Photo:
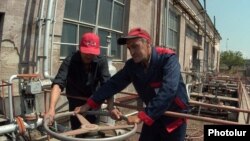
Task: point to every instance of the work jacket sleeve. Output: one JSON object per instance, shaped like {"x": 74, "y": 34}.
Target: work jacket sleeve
{"x": 62, "y": 73}
{"x": 115, "y": 84}
{"x": 167, "y": 92}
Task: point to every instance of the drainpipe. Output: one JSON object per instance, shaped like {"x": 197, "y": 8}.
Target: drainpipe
{"x": 52, "y": 38}
{"x": 40, "y": 24}
{"x": 46, "y": 39}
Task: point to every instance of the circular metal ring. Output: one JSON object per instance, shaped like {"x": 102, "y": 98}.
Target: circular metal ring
{"x": 102, "y": 113}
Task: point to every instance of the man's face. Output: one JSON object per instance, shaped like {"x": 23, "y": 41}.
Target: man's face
{"x": 139, "y": 49}
{"x": 87, "y": 58}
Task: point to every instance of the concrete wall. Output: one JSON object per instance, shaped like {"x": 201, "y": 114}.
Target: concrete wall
{"x": 17, "y": 43}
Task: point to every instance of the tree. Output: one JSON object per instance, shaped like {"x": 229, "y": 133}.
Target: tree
{"x": 231, "y": 59}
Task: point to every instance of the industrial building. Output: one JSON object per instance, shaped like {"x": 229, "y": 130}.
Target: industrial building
{"x": 37, "y": 35}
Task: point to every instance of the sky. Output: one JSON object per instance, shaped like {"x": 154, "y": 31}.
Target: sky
{"x": 232, "y": 20}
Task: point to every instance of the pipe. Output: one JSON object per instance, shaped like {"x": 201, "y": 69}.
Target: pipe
{"x": 46, "y": 39}
{"x": 188, "y": 85}
{"x": 8, "y": 128}
{"x": 10, "y": 97}
{"x": 52, "y": 38}
{"x": 39, "y": 122}
{"x": 11, "y": 103}
{"x": 40, "y": 22}
{"x": 183, "y": 115}
{"x": 219, "y": 107}
{"x": 13, "y": 126}
{"x": 206, "y": 119}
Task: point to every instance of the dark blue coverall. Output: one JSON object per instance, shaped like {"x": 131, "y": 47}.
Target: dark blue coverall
{"x": 162, "y": 89}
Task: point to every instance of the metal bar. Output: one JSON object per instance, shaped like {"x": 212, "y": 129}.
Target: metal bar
{"x": 213, "y": 96}
{"x": 182, "y": 115}
{"x": 206, "y": 119}
{"x": 219, "y": 107}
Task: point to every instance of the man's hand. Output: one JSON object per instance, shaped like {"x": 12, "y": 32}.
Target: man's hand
{"x": 50, "y": 114}
{"x": 81, "y": 109}
{"x": 134, "y": 119}
{"x": 115, "y": 114}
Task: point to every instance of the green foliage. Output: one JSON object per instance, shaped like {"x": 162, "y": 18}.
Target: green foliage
{"x": 231, "y": 59}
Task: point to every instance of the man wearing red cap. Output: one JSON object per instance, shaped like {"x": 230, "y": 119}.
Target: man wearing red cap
{"x": 155, "y": 74}
{"x": 81, "y": 74}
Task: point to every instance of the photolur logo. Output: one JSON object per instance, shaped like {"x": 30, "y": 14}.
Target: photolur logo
{"x": 215, "y": 132}
{"x": 227, "y": 132}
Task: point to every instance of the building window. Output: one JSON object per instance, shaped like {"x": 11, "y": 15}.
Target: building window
{"x": 191, "y": 34}
{"x": 206, "y": 47}
{"x": 173, "y": 30}
{"x": 104, "y": 17}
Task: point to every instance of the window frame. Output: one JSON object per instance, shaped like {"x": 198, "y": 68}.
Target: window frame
{"x": 96, "y": 27}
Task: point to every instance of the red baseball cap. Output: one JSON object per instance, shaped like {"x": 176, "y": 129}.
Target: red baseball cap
{"x": 90, "y": 44}
{"x": 134, "y": 33}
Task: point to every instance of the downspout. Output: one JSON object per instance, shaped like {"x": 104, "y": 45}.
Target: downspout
{"x": 40, "y": 24}
{"x": 52, "y": 38}
{"x": 46, "y": 39}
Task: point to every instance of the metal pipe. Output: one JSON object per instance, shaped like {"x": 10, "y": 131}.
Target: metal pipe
{"x": 34, "y": 125}
{"x": 52, "y": 38}
{"x": 40, "y": 23}
{"x": 14, "y": 127}
{"x": 8, "y": 128}
{"x": 219, "y": 107}
{"x": 46, "y": 39}
{"x": 10, "y": 97}
{"x": 182, "y": 115}
{"x": 11, "y": 114}
{"x": 206, "y": 119}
